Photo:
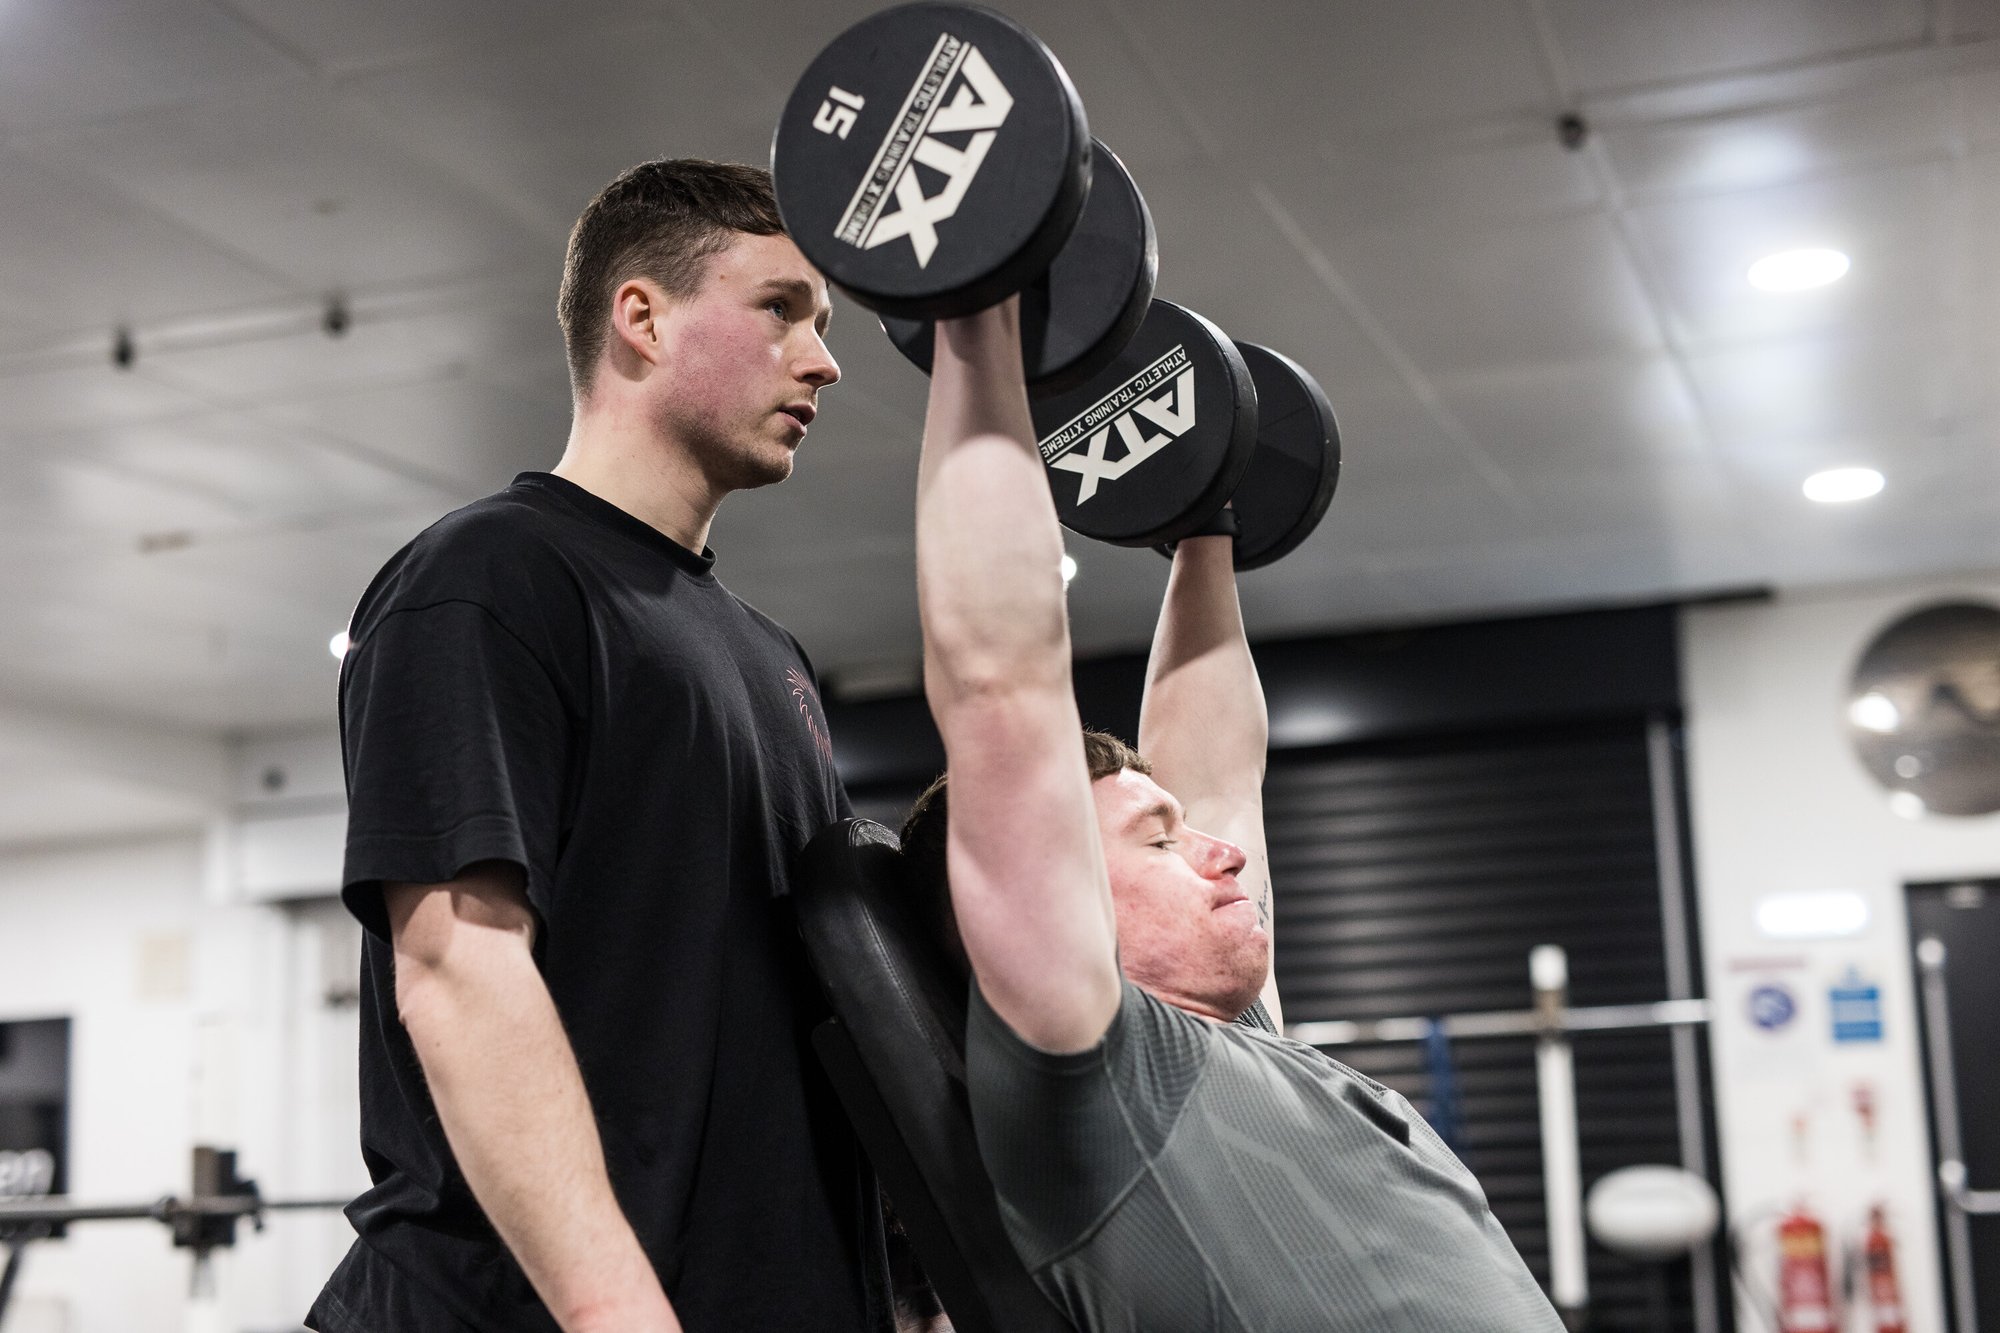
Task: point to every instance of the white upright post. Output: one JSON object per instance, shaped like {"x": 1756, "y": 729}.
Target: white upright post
{"x": 1562, "y": 1169}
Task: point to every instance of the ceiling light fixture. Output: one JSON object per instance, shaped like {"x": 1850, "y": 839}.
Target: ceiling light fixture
{"x": 339, "y": 644}
{"x": 1798, "y": 270}
{"x": 1842, "y": 485}
{"x": 1068, "y": 568}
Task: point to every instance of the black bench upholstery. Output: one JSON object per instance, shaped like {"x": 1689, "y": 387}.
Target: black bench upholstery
{"x": 895, "y": 1053}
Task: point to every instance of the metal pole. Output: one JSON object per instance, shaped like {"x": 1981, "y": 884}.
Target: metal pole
{"x": 1676, "y": 942}
{"x": 57, "y": 1209}
{"x": 1562, "y": 1169}
{"x": 1503, "y": 1023}
{"x": 1950, "y": 1146}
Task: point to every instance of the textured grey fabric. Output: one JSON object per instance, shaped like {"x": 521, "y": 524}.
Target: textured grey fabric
{"x": 1186, "y": 1176}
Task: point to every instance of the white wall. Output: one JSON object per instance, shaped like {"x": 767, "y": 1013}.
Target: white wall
{"x": 1781, "y": 804}
{"x": 199, "y": 1015}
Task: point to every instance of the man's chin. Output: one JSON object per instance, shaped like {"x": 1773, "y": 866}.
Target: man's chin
{"x": 763, "y": 466}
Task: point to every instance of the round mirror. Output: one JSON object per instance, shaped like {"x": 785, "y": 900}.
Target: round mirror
{"x": 1924, "y": 710}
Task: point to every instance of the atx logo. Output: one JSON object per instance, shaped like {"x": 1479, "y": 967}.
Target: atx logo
{"x": 957, "y": 93}
{"x": 1161, "y": 397}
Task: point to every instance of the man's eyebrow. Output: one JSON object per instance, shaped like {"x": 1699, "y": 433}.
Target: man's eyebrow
{"x": 798, "y": 289}
{"x": 1160, "y": 810}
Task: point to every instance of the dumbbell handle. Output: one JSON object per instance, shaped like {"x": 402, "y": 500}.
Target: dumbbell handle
{"x": 1221, "y": 524}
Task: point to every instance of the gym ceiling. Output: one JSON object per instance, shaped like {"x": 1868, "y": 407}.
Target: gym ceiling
{"x": 332, "y": 233}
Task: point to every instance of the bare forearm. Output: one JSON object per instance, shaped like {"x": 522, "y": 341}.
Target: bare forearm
{"x": 1203, "y": 721}
{"x": 514, "y": 1110}
{"x": 989, "y": 550}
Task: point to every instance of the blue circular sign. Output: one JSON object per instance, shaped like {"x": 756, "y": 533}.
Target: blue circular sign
{"x": 1772, "y": 1006}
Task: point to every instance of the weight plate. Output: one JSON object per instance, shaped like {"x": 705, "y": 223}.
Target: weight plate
{"x": 1289, "y": 484}
{"x": 932, "y": 160}
{"x": 1079, "y": 315}
{"x": 1158, "y": 441}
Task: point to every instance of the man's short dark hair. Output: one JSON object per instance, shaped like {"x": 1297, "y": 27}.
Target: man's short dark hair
{"x": 924, "y": 837}
{"x": 659, "y": 220}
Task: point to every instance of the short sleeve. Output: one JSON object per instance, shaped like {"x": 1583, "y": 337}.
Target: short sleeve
{"x": 457, "y": 746}
{"x": 1064, "y": 1136}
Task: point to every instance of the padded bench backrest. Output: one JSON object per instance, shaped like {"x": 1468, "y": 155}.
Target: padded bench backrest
{"x": 895, "y": 1052}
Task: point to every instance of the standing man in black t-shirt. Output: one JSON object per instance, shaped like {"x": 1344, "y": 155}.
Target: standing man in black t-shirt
{"x": 578, "y": 768}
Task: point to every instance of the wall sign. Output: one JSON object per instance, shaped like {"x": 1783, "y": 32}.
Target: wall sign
{"x": 1855, "y": 1003}
{"x": 1772, "y": 1006}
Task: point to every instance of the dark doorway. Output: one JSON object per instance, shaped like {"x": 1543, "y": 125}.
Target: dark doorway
{"x": 1963, "y": 916}
{"x": 34, "y": 1107}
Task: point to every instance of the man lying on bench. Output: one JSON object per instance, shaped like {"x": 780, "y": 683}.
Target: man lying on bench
{"x": 1164, "y": 1160}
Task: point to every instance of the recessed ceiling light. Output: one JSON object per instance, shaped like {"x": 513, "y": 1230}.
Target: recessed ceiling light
{"x": 339, "y": 644}
{"x": 1907, "y": 804}
{"x": 1797, "y": 270}
{"x": 1068, "y": 568}
{"x": 1842, "y": 484}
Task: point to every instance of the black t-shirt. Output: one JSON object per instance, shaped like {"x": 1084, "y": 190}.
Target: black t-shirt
{"x": 544, "y": 679}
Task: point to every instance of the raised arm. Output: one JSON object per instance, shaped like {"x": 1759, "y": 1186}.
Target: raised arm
{"x": 1027, "y": 873}
{"x": 1203, "y": 723}
{"x": 512, "y": 1101}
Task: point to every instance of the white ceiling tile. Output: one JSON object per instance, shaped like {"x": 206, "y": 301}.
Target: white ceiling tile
{"x": 297, "y": 184}
{"x": 36, "y": 400}
{"x": 1971, "y": 19}
{"x": 79, "y": 257}
{"x": 1938, "y": 513}
{"x": 1976, "y": 102}
{"x": 255, "y": 474}
{"x": 546, "y": 127}
{"x": 454, "y": 428}
{"x": 1892, "y": 222}
{"x": 1828, "y": 391}
{"x": 229, "y": 632}
{"x": 360, "y": 33}
{"x": 63, "y": 62}
{"x": 502, "y": 333}
{"x": 54, "y": 491}
{"x": 1321, "y": 69}
{"x": 1628, "y": 45}
{"x": 1581, "y": 413}
{"x": 1338, "y": 184}
{"x": 1223, "y": 254}
{"x": 1389, "y": 436}
{"x": 1886, "y": 125}
{"x": 1461, "y": 294}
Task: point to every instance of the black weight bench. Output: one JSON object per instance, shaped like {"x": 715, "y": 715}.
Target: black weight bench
{"x": 895, "y": 1053}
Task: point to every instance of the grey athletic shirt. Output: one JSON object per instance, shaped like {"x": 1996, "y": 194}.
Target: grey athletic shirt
{"x": 1185, "y": 1176}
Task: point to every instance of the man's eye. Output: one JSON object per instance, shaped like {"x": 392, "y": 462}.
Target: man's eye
{"x": 1164, "y": 842}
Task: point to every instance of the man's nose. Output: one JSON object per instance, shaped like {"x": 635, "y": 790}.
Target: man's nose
{"x": 1224, "y": 858}
{"x": 819, "y": 369}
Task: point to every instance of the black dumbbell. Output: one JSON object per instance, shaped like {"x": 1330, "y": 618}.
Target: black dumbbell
{"x": 1183, "y": 422}
{"x": 1294, "y": 467}
{"x": 934, "y": 160}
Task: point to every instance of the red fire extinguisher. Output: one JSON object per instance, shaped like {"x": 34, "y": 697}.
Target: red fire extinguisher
{"x": 1805, "y": 1290}
{"x": 1885, "y": 1298}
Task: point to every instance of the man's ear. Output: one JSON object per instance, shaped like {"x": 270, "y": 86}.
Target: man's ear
{"x": 637, "y": 309}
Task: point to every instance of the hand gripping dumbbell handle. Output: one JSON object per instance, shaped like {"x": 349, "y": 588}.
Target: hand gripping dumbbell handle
{"x": 1222, "y": 524}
